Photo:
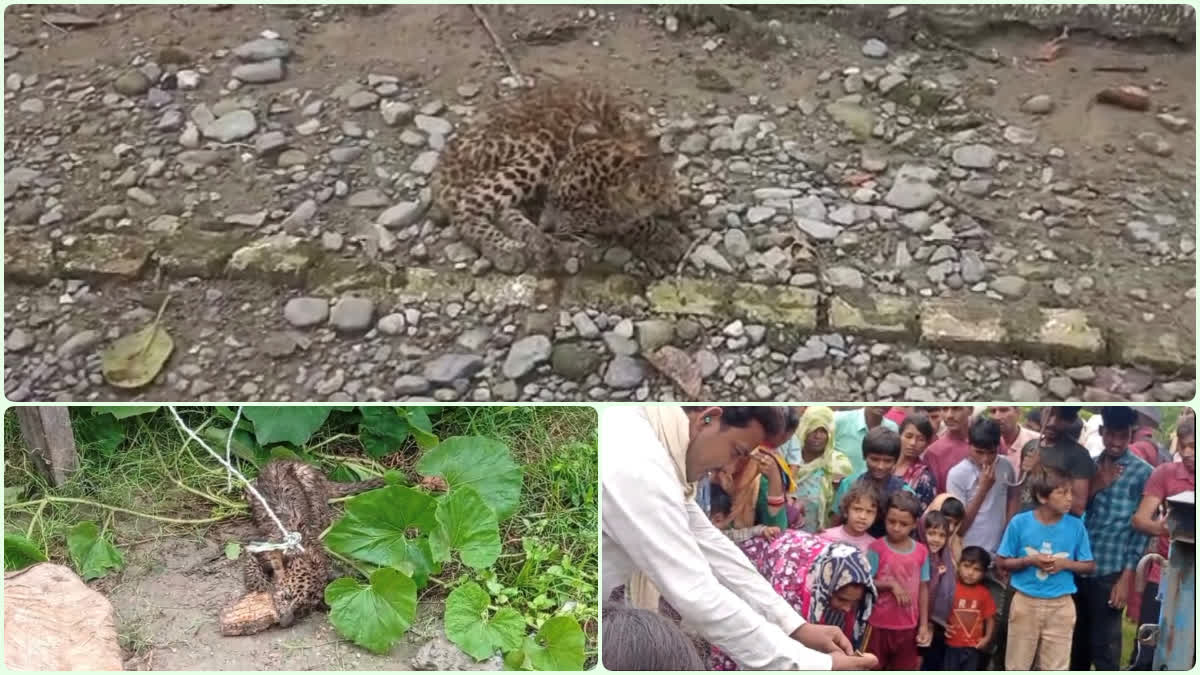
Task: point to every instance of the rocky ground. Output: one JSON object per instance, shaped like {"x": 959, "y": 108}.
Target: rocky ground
{"x": 871, "y": 220}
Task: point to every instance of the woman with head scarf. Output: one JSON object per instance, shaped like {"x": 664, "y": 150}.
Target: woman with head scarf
{"x": 827, "y": 583}
{"x": 815, "y": 466}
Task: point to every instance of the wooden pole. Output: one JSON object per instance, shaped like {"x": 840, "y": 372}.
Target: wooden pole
{"x": 49, "y": 441}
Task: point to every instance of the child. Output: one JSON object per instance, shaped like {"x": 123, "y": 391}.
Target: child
{"x": 900, "y": 620}
{"x": 953, "y": 509}
{"x": 935, "y": 530}
{"x": 881, "y": 450}
{"x": 857, "y": 513}
{"x": 720, "y": 512}
{"x": 972, "y": 613}
{"x": 981, "y": 483}
{"x": 1044, "y": 549}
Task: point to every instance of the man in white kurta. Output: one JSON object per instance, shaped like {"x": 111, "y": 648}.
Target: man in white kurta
{"x": 651, "y": 527}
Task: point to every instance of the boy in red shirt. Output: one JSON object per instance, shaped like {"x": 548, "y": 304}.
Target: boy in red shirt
{"x": 972, "y": 621}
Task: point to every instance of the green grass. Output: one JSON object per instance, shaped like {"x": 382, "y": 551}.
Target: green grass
{"x": 550, "y": 555}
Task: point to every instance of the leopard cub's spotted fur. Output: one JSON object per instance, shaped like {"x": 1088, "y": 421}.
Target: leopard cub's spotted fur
{"x": 299, "y": 495}
{"x": 567, "y": 143}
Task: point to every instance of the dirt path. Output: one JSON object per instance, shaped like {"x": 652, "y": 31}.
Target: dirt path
{"x": 169, "y": 596}
{"x": 1055, "y": 261}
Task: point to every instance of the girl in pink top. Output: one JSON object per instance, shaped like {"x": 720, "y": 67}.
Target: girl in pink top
{"x": 900, "y": 620}
{"x": 858, "y": 509}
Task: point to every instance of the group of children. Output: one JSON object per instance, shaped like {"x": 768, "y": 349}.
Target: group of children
{"x": 993, "y": 562}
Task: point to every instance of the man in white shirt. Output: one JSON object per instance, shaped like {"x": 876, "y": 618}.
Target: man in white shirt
{"x": 655, "y": 536}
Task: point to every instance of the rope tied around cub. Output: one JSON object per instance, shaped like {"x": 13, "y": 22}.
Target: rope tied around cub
{"x": 291, "y": 540}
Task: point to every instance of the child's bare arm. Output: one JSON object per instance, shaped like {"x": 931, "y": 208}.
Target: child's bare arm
{"x": 1014, "y": 564}
{"x": 923, "y": 603}
{"x": 1079, "y": 566}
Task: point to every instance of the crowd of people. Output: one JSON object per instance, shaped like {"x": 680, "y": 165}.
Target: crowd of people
{"x": 930, "y": 537}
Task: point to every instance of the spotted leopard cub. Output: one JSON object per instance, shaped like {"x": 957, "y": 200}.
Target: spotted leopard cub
{"x": 622, "y": 189}
{"x": 506, "y": 159}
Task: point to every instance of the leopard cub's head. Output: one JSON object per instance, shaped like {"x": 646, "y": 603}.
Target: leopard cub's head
{"x": 606, "y": 183}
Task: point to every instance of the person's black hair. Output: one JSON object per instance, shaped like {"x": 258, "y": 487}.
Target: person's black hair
{"x": 1044, "y": 481}
{"x": 639, "y": 639}
{"x": 860, "y": 490}
{"x": 1186, "y": 428}
{"x": 936, "y": 519}
{"x": 881, "y": 441}
{"x": 922, "y": 424}
{"x": 1067, "y": 413}
{"x": 1034, "y": 416}
{"x": 770, "y": 417}
{"x": 953, "y": 508}
{"x": 719, "y": 501}
{"x": 1074, "y": 429}
{"x": 984, "y": 434}
{"x": 977, "y": 555}
{"x": 1118, "y": 417}
{"x": 791, "y": 421}
{"x": 904, "y": 501}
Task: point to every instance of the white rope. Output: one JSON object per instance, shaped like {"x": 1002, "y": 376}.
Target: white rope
{"x": 229, "y": 449}
{"x": 290, "y": 539}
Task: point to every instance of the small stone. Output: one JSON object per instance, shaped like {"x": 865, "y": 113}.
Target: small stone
{"x": 975, "y": 156}
{"x": 79, "y": 342}
{"x": 262, "y": 72}
{"x": 874, "y": 49}
{"x": 910, "y": 194}
{"x": 1176, "y": 124}
{"x": 305, "y": 312}
{"x": 371, "y": 198}
{"x": 1039, "y": 104}
{"x": 736, "y": 243}
{"x": 1020, "y": 391}
{"x": 362, "y": 99}
{"x": 392, "y": 324}
{"x": 434, "y": 126}
{"x": 450, "y": 367}
{"x": 425, "y": 163}
{"x": 132, "y": 83}
{"x": 1060, "y": 386}
{"x": 844, "y": 277}
{"x": 525, "y": 355}
{"x": 1018, "y": 136}
{"x": 18, "y": 341}
{"x": 624, "y": 372}
{"x": 400, "y": 215}
{"x": 395, "y": 112}
{"x": 262, "y": 50}
{"x": 232, "y": 126}
{"x": 411, "y": 385}
{"x": 1010, "y": 286}
{"x": 1154, "y": 144}
{"x": 1032, "y": 371}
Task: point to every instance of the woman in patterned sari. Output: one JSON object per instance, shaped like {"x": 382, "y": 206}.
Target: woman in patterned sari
{"x": 826, "y": 582}
{"x": 815, "y": 466}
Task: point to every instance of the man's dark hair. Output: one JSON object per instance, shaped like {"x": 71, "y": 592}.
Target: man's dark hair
{"x": 1045, "y": 480}
{"x": 1066, "y": 413}
{"x": 977, "y": 555}
{"x": 1034, "y": 416}
{"x": 953, "y": 508}
{"x": 860, "y": 490}
{"x": 719, "y": 501}
{"x": 1118, "y": 417}
{"x": 1074, "y": 429}
{"x": 771, "y": 417}
{"x": 922, "y": 424}
{"x": 881, "y": 441}
{"x": 639, "y": 639}
{"x": 904, "y": 501}
{"x": 984, "y": 434}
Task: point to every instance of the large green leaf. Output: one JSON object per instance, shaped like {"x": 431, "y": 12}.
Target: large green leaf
{"x": 373, "y": 615}
{"x": 103, "y": 433}
{"x": 557, "y": 646}
{"x": 382, "y": 430}
{"x": 122, "y": 411}
{"x": 291, "y": 424}
{"x": 93, "y": 554}
{"x": 466, "y": 524}
{"x": 468, "y": 625}
{"x": 20, "y": 553}
{"x": 377, "y": 525}
{"x": 243, "y": 444}
{"x": 421, "y": 426}
{"x": 481, "y": 463}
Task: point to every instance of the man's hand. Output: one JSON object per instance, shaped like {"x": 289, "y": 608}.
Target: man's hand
{"x": 825, "y": 639}
{"x": 1120, "y": 591}
{"x": 1106, "y": 476}
{"x": 864, "y": 662}
{"x": 987, "y": 477}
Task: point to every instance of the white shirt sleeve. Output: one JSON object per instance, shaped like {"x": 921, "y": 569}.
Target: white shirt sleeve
{"x": 702, "y": 574}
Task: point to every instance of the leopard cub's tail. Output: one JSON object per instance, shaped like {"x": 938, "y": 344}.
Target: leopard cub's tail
{"x": 337, "y": 489}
